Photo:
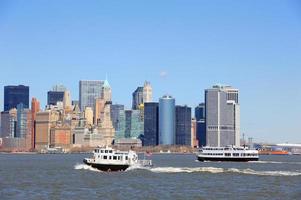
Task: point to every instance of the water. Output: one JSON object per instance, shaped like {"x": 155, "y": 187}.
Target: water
{"x": 63, "y": 176}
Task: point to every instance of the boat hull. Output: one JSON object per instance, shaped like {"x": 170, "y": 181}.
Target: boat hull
{"x": 106, "y": 167}
{"x": 224, "y": 159}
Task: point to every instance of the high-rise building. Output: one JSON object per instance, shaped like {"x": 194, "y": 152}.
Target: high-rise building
{"x": 8, "y": 123}
{"x": 54, "y": 96}
{"x": 167, "y": 120}
{"x": 59, "y": 88}
{"x": 67, "y": 100}
{"x": 200, "y": 117}
{"x": 120, "y": 124}
{"x": 137, "y": 98}
{"x": 23, "y": 121}
{"x": 183, "y": 125}
{"x": 99, "y": 110}
{"x": 151, "y": 124}
{"x": 147, "y": 92}
{"x": 222, "y": 116}
{"x": 35, "y": 108}
{"x": 133, "y": 124}
{"x": 14, "y": 95}
{"x": 194, "y": 140}
{"x": 89, "y": 116}
{"x": 115, "y": 114}
{"x": 88, "y": 92}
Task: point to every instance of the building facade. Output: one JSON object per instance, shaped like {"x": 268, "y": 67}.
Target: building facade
{"x": 167, "y": 120}
{"x": 137, "y": 98}
{"x": 54, "y": 96}
{"x": 14, "y": 95}
{"x": 151, "y": 124}
{"x": 88, "y": 92}
{"x": 183, "y": 125}
{"x": 200, "y": 116}
{"x": 147, "y": 92}
{"x": 222, "y": 116}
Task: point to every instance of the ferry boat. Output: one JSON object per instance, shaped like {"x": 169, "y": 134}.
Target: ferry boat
{"x": 109, "y": 159}
{"x": 228, "y": 153}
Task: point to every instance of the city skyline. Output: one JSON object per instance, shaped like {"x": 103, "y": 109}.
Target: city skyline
{"x": 182, "y": 50}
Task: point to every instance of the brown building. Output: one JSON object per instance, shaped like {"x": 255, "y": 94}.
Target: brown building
{"x": 60, "y": 137}
{"x": 194, "y": 141}
{"x": 35, "y": 108}
{"x": 99, "y": 109}
{"x": 44, "y": 122}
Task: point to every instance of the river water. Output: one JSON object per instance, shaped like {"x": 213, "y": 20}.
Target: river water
{"x": 63, "y": 176}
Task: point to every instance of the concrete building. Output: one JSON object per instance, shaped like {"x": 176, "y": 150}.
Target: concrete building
{"x": 23, "y": 122}
{"x": 14, "y": 95}
{"x": 183, "y": 125}
{"x": 9, "y": 123}
{"x": 194, "y": 140}
{"x": 147, "y": 92}
{"x": 151, "y": 124}
{"x": 167, "y": 120}
{"x": 200, "y": 116}
{"x": 88, "y": 92}
{"x": 99, "y": 110}
{"x": 222, "y": 116}
{"x": 67, "y": 101}
{"x": 60, "y": 137}
{"x": 137, "y": 98}
{"x": 89, "y": 116}
{"x": 35, "y": 108}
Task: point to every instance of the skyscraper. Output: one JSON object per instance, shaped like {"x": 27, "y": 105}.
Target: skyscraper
{"x": 147, "y": 92}
{"x": 54, "y": 96}
{"x": 133, "y": 124}
{"x": 137, "y": 98}
{"x": 151, "y": 124}
{"x": 35, "y": 108}
{"x": 167, "y": 120}
{"x": 200, "y": 117}
{"x": 115, "y": 113}
{"x": 183, "y": 125}
{"x": 14, "y": 95}
{"x": 222, "y": 116}
{"x": 88, "y": 92}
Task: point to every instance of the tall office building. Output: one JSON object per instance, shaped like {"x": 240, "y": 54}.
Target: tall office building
{"x": 54, "y": 96}
{"x": 151, "y": 124}
{"x": 147, "y": 92}
{"x": 133, "y": 124}
{"x": 23, "y": 121}
{"x": 200, "y": 117}
{"x": 222, "y": 116}
{"x": 183, "y": 125}
{"x": 137, "y": 98}
{"x": 89, "y": 115}
{"x": 167, "y": 120}
{"x": 115, "y": 114}
{"x": 99, "y": 110}
{"x": 14, "y": 95}
{"x": 35, "y": 108}
{"x": 59, "y": 88}
{"x": 67, "y": 100}
{"x": 88, "y": 92}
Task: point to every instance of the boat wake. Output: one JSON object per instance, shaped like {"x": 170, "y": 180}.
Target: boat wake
{"x": 275, "y": 162}
{"x": 85, "y": 167}
{"x": 215, "y": 170}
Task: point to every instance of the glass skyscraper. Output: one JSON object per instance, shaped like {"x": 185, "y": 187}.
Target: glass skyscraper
{"x": 137, "y": 98}
{"x": 54, "y": 96}
{"x": 151, "y": 124}
{"x": 183, "y": 125}
{"x": 14, "y": 95}
{"x": 200, "y": 117}
{"x": 88, "y": 92}
{"x": 167, "y": 120}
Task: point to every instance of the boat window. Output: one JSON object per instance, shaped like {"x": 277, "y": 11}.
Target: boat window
{"x": 235, "y": 154}
{"x": 126, "y": 157}
{"x": 105, "y": 157}
{"x": 119, "y": 157}
{"x": 110, "y": 151}
{"x": 101, "y": 151}
{"x": 106, "y": 151}
{"x": 114, "y": 157}
{"x": 227, "y": 154}
{"x": 110, "y": 157}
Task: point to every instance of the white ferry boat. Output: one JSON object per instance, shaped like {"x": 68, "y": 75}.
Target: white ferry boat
{"x": 228, "y": 153}
{"x": 109, "y": 159}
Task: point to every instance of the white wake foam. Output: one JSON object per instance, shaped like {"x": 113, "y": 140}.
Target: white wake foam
{"x": 275, "y": 162}
{"x": 85, "y": 167}
{"x": 215, "y": 170}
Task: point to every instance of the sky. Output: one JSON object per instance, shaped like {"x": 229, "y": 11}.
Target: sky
{"x": 181, "y": 46}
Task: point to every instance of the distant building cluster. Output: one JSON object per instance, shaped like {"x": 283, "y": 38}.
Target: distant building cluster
{"x": 93, "y": 120}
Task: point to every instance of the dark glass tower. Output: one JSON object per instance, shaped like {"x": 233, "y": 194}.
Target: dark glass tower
{"x": 151, "y": 124}
{"x": 54, "y": 96}
{"x": 200, "y": 117}
{"x": 14, "y": 95}
{"x": 137, "y": 98}
{"x": 183, "y": 125}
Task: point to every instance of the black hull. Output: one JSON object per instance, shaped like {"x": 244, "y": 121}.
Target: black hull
{"x": 202, "y": 159}
{"x": 107, "y": 167}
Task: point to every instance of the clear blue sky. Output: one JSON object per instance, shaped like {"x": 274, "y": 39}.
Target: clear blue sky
{"x": 182, "y": 47}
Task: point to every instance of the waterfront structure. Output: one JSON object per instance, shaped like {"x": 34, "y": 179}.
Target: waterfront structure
{"x": 151, "y": 124}
{"x": 167, "y": 120}
{"x": 183, "y": 125}
{"x": 60, "y": 137}
{"x": 147, "y": 92}
{"x": 222, "y": 116}
{"x": 35, "y": 108}
{"x": 137, "y": 98}
{"x": 200, "y": 117}
{"x": 88, "y": 92}
{"x": 14, "y": 95}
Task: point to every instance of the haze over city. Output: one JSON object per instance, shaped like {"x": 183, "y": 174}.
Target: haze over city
{"x": 181, "y": 47}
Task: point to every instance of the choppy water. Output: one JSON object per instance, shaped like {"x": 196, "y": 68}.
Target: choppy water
{"x": 172, "y": 177}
